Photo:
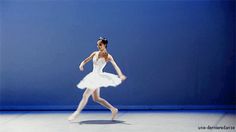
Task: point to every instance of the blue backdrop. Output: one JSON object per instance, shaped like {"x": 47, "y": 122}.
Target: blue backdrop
{"x": 176, "y": 54}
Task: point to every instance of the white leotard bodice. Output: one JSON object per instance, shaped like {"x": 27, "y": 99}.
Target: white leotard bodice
{"x": 98, "y": 63}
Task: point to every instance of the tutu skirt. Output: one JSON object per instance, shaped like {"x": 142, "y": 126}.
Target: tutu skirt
{"x": 95, "y": 80}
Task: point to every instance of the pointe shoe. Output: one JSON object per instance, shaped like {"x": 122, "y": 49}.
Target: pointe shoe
{"x": 114, "y": 113}
{"x": 73, "y": 116}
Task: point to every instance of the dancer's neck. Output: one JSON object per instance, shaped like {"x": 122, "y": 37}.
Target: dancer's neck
{"x": 103, "y": 51}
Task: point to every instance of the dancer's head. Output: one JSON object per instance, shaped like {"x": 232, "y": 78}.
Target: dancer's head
{"x": 102, "y": 43}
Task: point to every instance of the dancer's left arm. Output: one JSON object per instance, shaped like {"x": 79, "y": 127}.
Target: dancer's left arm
{"x": 121, "y": 75}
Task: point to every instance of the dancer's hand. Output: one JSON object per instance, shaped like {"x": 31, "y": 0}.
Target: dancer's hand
{"x": 122, "y": 77}
{"x": 81, "y": 67}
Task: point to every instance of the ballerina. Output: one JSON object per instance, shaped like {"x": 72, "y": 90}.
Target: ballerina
{"x": 97, "y": 78}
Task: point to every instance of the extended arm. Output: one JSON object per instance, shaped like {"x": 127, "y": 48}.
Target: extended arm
{"x": 86, "y": 60}
{"x": 116, "y": 67}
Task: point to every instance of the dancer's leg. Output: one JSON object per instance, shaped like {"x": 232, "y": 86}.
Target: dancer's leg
{"x": 84, "y": 100}
{"x": 82, "y": 103}
{"x": 98, "y": 99}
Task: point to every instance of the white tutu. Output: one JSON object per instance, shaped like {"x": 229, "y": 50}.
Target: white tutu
{"x": 97, "y": 78}
{"x": 94, "y": 80}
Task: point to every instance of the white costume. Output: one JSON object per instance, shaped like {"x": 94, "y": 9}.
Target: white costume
{"x": 97, "y": 78}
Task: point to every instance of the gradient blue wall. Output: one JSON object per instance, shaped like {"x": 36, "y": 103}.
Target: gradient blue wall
{"x": 176, "y": 54}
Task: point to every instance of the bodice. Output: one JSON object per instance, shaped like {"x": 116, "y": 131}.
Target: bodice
{"x": 98, "y": 64}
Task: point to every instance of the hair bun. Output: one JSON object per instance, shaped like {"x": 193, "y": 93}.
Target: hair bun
{"x": 103, "y": 40}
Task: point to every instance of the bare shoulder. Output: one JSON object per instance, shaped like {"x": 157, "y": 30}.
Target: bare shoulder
{"x": 92, "y": 54}
{"x": 95, "y": 52}
{"x": 110, "y": 57}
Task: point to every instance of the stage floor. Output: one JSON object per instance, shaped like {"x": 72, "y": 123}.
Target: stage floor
{"x": 126, "y": 121}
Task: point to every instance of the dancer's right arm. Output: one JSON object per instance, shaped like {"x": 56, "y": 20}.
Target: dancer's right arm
{"x": 86, "y": 61}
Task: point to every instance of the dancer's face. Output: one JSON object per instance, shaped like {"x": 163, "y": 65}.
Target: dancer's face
{"x": 100, "y": 45}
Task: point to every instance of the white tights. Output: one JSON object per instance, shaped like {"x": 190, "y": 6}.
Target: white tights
{"x": 96, "y": 98}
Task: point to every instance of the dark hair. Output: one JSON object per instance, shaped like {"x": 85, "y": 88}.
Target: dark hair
{"x": 104, "y": 41}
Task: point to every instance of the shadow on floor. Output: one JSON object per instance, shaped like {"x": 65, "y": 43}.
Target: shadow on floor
{"x": 101, "y": 122}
